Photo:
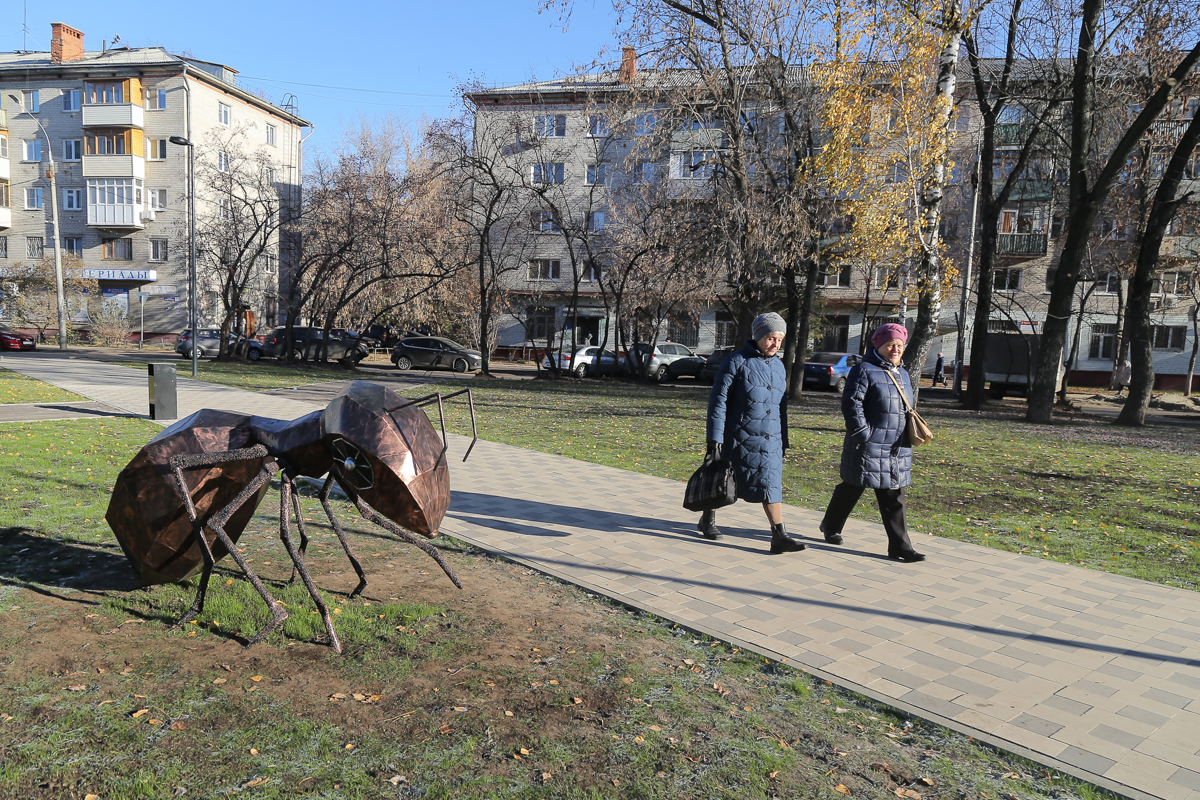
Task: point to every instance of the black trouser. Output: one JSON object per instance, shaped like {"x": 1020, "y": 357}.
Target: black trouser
{"x": 891, "y": 509}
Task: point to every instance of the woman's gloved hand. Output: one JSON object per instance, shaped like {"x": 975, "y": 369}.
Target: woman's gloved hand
{"x": 714, "y": 449}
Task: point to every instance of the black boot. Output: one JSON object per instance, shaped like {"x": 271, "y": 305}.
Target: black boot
{"x": 708, "y": 526}
{"x": 781, "y": 542}
{"x": 832, "y": 538}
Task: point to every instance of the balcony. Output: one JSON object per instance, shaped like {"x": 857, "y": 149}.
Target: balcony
{"x": 3, "y": 120}
{"x": 114, "y": 166}
{"x": 1028, "y": 189}
{"x": 4, "y": 169}
{"x": 112, "y": 115}
{"x": 5, "y": 218}
{"x": 1029, "y": 245}
{"x": 115, "y": 215}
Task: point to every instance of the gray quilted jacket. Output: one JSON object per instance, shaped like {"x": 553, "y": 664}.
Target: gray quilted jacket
{"x": 876, "y": 453}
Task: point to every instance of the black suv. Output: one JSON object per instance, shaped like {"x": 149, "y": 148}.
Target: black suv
{"x": 307, "y": 345}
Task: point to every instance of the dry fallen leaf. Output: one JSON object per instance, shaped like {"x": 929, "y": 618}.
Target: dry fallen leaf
{"x": 253, "y": 751}
{"x": 639, "y": 739}
{"x": 256, "y": 678}
{"x": 350, "y": 746}
{"x": 397, "y": 779}
{"x": 545, "y": 777}
{"x": 77, "y": 687}
{"x": 140, "y": 713}
{"x": 626, "y": 680}
{"x": 255, "y": 782}
{"x": 445, "y": 729}
{"x": 577, "y": 700}
{"x": 177, "y": 726}
{"x": 508, "y": 713}
{"x": 908, "y": 793}
{"x": 91, "y": 797}
{"x": 155, "y": 721}
{"x": 524, "y": 752}
{"x": 554, "y": 683}
{"x": 773, "y": 774}
{"x": 655, "y": 728}
{"x": 841, "y": 788}
{"x": 927, "y": 781}
{"x": 219, "y": 681}
{"x": 460, "y": 708}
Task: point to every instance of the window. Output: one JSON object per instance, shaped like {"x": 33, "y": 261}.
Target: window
{"x": 70, "y": 99}
{"x": 540, "y": 322}
{"x": 35, "y": 247}
{"x": 597, "y": 125}
{"x": 30, "y": 99}
{"x": 826, "y": 277}
{"x": 1104, "y": 338}
{"x": 1003, "y": 326}
{"x": 3, "y": 146}
{"x": 156, "y": 149}
{"x": 103, "y": 92}
{"x": 158, "y": 249}
{"x": 222, "y": 161}
{"x": 591, "y": 272}
{"x": 73, "y": 246}
{"x": 596, "y": 221}
{"x": 271, "y": 135}
{"x": 158, "y": 199}
{"x": 271, "y": 264}
{"x": 116, "y": 249}
{"x": 544, "y": 269}
{"x": 886, "y": 278}
{"x": 4, "y": 196}
{"x": 72, "y": 199}
{"x": 550, "y": 125}
{"x": 726, "y": 330}
{"x": 223, "y": 210}
{"x": 156, "y": 99}
{"x": 106, "y": 142}
{"x": 693, "y": 164}
{"x": 1167, "y": 337}
{"x": 836, "y": 333}
{"x": 644, "y": 124}
{"x": 72, "y": 149}
{"x": 596, "y": 173}
{"x": 113, "y": 201}
{"x": 685, "y": 332}
{"x": 1109, "y": 283}
{"x": 31, "y": 150}
{"x": 3, "y": 247}
{"x": 222, "y": 113}
{"x": 643, "y": 173}
{"x": 1006, "y": 280}
{"x": 545, "y": 222}
{"x": 33, "y": 198}
{"x": 271, "y": 175}
{"x": 548, "y": 173}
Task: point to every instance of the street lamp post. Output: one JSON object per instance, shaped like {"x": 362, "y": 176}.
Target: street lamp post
{"x": 58, "y": 275}
{"x": 192, "y": 306}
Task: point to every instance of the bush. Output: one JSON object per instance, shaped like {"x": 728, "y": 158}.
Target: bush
{"x": 110, "y": 328}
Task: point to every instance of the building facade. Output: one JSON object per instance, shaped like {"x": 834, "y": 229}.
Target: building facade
{"x": 104, "y": 119}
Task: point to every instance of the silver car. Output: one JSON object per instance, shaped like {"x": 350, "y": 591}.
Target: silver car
{"x": 668, "y": 360}
{"x": 589, "y": 361}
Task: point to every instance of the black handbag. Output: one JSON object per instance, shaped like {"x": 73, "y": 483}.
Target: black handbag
{"x": 712, "y": 486}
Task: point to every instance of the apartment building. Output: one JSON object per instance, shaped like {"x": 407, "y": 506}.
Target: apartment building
{"x": 104, "y": 119}
{"x": 561, "y": 129}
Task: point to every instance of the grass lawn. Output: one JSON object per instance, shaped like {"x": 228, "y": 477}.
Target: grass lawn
{"x": 17, "y": 388}
{"x": 518, "y": 686}
{"x": 266, "y": 373}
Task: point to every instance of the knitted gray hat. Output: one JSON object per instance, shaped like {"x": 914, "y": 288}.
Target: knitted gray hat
{"x": 768, "y": 323}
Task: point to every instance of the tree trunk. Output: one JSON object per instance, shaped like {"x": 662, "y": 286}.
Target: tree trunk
{"x": 804, "y": 327}
{"x": 1187, "y": 387}
{"x": 793, "y": 372}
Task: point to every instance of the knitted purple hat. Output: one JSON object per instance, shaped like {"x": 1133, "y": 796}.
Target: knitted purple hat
{"x": 885, "y": 333}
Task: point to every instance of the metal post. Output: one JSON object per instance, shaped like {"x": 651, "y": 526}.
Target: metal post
{"x": 960, "y": 350}
{"x": 193, "y": 314}
{"x": 58, "y": 278}
{"x": 142, "y": 325}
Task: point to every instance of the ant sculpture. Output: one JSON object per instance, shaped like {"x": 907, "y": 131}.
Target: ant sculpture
{"x": 212, "y": 469}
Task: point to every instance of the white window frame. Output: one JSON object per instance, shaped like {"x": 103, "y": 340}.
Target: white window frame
{"x": 597, "y": 174}
{"x": 271, "y": 175}
{"x": 72, "y": 150}
{"x": 597, "y": 126}
{"x": 270, "y": 264}
{"x": 1008, "y": 273}
{"x": 31, "y": 146}
{"x": 545, "y": 269}
{"x": 222, "y": 161}
{"x": 32, "y": 100}
{"x": 69, "y": 247}
{"x": 224, "y": 114}
{"x": 224, "y": 209}
{"x": 644, "y": 173}
{"x": 271, "y": 135}
{"x": 152, "y": 199}
{"x": 34, "y": 200}
{"x": 645, "y": 123}
{"x": 156, "y": 99}
{"x": 545, "y": 222}
{"x": 75, "y": 195}
{"x": 556, "y": 172}
{"x": 3, "y": 145}
{"x": 156, "y": 149}
{"x": 71, "y": 99}
{"x": 158, "y": 249}
{"x": 550, "y": 126}
{"x": 596, "y": 221}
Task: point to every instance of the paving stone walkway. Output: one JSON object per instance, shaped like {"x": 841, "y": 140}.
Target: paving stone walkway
{"x": 1094, "y": 674}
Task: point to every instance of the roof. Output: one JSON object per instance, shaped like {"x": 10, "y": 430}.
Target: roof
{"x": 117, "y": 59}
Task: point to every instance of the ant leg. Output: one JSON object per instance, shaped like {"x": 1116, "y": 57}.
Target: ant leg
{"x": 299, "y": 524}
{"x": 217, "y": 523}
{"x": 389, "y": 526}
{"x": 205, "y": 551}
{"x": 286, "y": 497}
{"x": 337, "y": 529}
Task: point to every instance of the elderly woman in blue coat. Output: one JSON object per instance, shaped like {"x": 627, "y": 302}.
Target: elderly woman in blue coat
{"x": 876, "y": 453}
{"x": 747, "y": 424}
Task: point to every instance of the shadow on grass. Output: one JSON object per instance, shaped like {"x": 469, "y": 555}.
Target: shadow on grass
{"x": 42, "y": 564}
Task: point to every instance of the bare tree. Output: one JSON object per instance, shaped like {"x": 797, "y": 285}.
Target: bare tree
{"x": 29, "y": 297}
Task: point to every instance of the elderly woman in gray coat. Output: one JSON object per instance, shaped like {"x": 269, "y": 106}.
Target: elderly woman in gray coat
{"x": 747, "y": 424}
{"x": 876, "y": 453}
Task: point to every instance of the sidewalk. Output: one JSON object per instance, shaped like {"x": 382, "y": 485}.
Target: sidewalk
{"x": 1094, "y": 674}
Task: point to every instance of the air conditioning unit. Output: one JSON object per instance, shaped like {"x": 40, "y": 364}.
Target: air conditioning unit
{"x": 148, "y": 215}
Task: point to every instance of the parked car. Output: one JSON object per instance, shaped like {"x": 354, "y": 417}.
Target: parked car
{"x": 210, "y": 344}
{"x": 589, "y": 361}
{"x": 829, "y": 370}
{"x": 14, "y": 340}
{"x": 713, "y": 364}
{"x": 306, "y": 345}
{"x": 434, "y": 352}
{"x": 667, "y": 361}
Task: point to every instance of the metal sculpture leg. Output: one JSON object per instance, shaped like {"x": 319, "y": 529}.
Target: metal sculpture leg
{"x": 369, "y": 514}
{"x": 341, "y": 535}
{"x": 216, "y": 525}
{"x": 286, "y": 498}
{"x": 287, "y": 477}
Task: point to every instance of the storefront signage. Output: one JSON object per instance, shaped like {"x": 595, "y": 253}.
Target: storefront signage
{"x": 121, "y": 274}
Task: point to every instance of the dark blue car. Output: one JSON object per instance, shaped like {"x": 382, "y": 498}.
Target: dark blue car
{"x": 829, "y": 370}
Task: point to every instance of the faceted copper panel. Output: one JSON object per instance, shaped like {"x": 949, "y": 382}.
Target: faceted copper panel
{"x": 394, "y": 460}
{"x": 297, "y": 443}
{"x": 146, "y": 512}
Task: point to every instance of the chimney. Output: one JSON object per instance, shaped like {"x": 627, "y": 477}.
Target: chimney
{"x": 66, "y": 43}
{"x": 628, "y": 65}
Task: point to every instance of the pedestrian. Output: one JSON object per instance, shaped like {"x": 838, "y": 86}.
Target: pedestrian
{"x": 747, "y": 425}
{"x": 939, "y": 371}
{"x": 1125, "y": 377}
{"x": 875, "y": 452}
{"x": 587, "y": 340}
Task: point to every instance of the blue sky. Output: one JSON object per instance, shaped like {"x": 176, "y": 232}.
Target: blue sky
{"x": 408, "y": 54}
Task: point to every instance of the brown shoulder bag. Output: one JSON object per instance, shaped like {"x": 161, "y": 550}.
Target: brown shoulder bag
{"x": 918, "y": 431}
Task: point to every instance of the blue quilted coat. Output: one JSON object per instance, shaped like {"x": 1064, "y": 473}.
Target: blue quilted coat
{"x": 747, "y": 414}
{"x": 876, "y": 453}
